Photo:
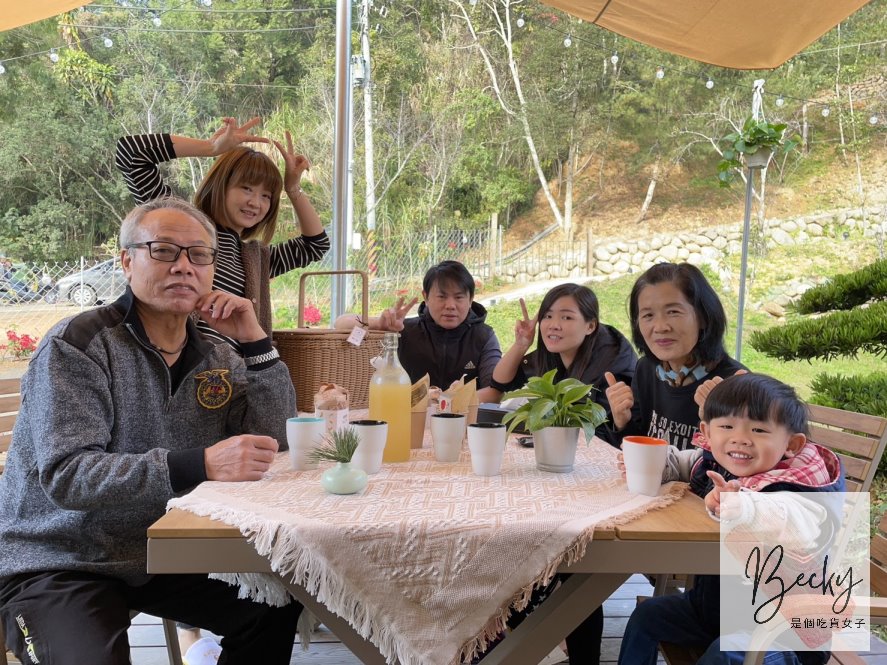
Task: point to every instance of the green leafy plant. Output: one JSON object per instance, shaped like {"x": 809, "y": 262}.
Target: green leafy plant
{"x": 550, "y": 404}
{"x": 339, "y": 446}
{"x": 865, "y": 394}
{"x": 754, "y": 136}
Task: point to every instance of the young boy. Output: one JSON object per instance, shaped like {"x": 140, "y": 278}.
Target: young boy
{"x": 753, "y": 436}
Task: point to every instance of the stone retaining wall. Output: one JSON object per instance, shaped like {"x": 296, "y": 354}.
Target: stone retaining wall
{"x": 614, "y": 257}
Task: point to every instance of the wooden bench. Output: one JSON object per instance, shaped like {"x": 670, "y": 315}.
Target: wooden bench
{"x": 10, "y": 400}
{"x": 10, "y": 403}
{"x": 858, "y": 440}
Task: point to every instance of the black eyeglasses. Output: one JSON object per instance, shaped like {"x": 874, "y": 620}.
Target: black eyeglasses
{"x": 169, "y": 252}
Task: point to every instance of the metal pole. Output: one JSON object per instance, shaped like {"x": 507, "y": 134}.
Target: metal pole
{"x": 368, "y": 117}
{"x": 340, "y": 157}
{"x": 746, "y": 224}
{"x": 372, "y": 250}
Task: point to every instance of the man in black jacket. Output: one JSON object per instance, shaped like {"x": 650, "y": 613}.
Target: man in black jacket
{"x": 449, "y": 338}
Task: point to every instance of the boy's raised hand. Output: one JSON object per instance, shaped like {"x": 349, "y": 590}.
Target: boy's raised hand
{"x": 713, "y": 498}
{"x": 703, "y": 391}
{"x": 621, "y": 400}
{"x": 524, "y": 328}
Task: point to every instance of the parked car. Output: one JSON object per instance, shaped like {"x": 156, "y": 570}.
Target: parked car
{"x": 103, "y": 282}
{"x": 16, "y": 291}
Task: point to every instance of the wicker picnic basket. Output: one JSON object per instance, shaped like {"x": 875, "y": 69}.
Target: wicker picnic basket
{"x": 323, "y": 355}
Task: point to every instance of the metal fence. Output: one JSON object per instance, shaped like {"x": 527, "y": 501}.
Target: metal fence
{"x": 34, "y": 296}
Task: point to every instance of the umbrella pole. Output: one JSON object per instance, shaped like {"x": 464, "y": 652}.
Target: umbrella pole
{"x": 744, "y": 262}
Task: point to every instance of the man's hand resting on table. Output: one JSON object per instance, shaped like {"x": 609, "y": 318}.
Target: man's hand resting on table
{"x": 241, "y": 457}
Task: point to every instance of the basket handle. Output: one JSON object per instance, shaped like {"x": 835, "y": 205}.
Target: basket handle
{"x": 364, "y": 292}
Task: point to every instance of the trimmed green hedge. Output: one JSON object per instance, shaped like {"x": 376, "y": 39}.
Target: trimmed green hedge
{"x": 827, "y": 337}
{"x": 846, "y": 291}
{"x": 863, "y": 394}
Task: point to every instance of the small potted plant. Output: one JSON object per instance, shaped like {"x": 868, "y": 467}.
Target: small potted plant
{"x": 553, "y": 413}
{"x": 752, "y": 146}
{"x": 339, "y": 447}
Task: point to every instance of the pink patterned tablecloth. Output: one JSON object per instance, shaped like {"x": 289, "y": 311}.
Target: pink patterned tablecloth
{"x": 426, "y": 560}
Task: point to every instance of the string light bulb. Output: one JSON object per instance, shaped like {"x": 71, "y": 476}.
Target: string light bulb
{"x": 472, "y": 2}
{"x": 157, "y": 21}
{"x": 2, "y": 69}
{"x": 53, "y": 55}
{"x": 780, "y": 101}
{"x": 709, "y": 84}
{"x": 521, "y": 22}
{"x": 826, "y": 111}
{"x": 383, "y": 11}
{"x": 873, "y": 120}
{"x": 660, "y": 72}
{"x": 206, "y": 3}
{"x": 568, "y": 41}
{"x": 614, "y": 59}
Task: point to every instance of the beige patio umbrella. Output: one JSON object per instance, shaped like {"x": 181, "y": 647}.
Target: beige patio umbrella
{"x": 740, "y": 34}
{"x": 14, "y": 13}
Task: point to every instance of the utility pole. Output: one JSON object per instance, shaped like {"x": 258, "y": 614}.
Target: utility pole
{"x": 370, "y": 178}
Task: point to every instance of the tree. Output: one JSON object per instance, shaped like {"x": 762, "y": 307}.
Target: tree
{"x": 854, "y": 312}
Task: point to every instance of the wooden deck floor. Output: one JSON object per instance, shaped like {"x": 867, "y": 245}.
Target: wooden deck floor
{"x": 146, "y": 636}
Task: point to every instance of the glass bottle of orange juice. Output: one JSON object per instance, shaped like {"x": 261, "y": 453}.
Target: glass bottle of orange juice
{"x": 390, "y": 400}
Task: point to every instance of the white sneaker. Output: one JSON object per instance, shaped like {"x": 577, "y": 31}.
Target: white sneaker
{"x": 205, "y": 651}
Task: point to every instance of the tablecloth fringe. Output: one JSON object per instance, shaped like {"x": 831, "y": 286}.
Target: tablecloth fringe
{"x": 519, "y": 601}
{"x": 280, "y": 545}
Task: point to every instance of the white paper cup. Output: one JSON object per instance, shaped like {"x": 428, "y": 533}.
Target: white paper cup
{"x": 486, "y": 441}
{"x": 304, "y": 435}
{"x": 644, "y": 459}
{"x": 372, "y": 435}
{"x": 447, "y": 433}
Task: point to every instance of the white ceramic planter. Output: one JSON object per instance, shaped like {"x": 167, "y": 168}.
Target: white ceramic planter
{"x": 343, "y": 479}
{"x": 758, "y": 160}
{"x": 555, "y": 448}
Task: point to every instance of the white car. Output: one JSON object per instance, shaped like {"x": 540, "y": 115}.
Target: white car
{"x": 104, "y": 282}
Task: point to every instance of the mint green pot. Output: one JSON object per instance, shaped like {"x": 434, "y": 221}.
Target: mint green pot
{"x": 343, "y": 479}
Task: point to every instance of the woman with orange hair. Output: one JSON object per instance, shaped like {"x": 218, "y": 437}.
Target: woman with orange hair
{"x": 241, "y": 194}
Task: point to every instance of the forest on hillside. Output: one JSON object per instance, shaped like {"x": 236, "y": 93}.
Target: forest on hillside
{"x": 476, "y": 107}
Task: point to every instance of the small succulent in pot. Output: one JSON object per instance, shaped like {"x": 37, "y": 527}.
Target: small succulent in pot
{"x": 338, "y": 446}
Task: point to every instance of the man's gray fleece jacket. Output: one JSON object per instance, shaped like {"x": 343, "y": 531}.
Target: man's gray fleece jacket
{"x": 102, "y": 443}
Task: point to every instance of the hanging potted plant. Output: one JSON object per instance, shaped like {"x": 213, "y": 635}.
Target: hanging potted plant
{"x": 752, "y": 146}
{"x": 554, "y": 412}
{"x": 339, "y": 447}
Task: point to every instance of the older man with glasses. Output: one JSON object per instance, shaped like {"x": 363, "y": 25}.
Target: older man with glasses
{"x": 124, "y": 407}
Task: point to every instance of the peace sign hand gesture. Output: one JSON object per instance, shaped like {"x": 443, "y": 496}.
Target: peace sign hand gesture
{"x": 294, "y": 166}
{"x": 230, "y": 135}
{"x": 392, "y": 318}
{"x": 524, "y": 328}
{"x": 713, "y": 499}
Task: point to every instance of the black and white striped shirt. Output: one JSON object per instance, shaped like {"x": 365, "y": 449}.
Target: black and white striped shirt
{"x": 138, "y": 158}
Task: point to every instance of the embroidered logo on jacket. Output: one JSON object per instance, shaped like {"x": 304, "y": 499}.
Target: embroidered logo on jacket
{"x": 214, "y": 390}
{"x": 470, "y": 365}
